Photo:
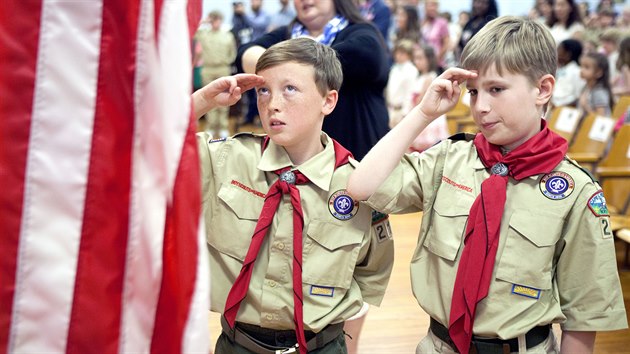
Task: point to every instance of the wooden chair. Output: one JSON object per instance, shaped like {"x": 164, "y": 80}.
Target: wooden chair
{"x": 591, "y": 141}
{"x": 614, "y": 175}
{"x": 621, "y": 107}
{"x": 564, "y": 121}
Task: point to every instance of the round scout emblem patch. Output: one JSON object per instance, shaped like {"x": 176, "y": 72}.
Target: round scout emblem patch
{"x": 557, "y": 185}
{"x": 341, "y": 206}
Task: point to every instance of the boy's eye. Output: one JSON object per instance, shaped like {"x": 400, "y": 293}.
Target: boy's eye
{"x": 291, "y": 88}
{"x": 472, "y": 92}
{"x": 262, "y": 91}
{"x": 496, "y": 89}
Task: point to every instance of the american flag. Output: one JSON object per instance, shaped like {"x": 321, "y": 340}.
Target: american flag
{"x": 100, "y": 225}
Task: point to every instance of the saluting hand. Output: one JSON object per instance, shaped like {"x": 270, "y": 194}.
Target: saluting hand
{"x": 443, "y": 93}
{"x": 224, "y": 91}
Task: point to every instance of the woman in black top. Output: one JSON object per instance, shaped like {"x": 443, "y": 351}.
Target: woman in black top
{"x": 483, "y": 11}
{"x": 360, "y": 118}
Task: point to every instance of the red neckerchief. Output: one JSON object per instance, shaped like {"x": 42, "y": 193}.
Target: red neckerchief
{"x": 538, "y": 155}
{"x": 286, "y": 183}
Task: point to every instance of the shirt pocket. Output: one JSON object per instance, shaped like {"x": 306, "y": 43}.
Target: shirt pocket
{"x": 235, "y": 222}
{"x": 330, "y": 254}
{"x": 448, "y": 223}
{"x": 527, "y": 257}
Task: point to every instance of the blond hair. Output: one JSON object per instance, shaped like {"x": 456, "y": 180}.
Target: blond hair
{"x": 323, "y": 59}
{"x": 520, "y": 46}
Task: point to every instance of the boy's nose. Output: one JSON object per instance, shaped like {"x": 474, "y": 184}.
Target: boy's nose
{"x": 481, "y": 104}
{"x": 274, "y": 102}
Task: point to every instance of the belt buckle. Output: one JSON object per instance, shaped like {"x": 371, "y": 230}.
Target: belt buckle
{"x": 288, "y": 350}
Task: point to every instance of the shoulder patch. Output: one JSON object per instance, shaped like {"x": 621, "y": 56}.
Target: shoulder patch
{"x": 216, "y": 140}
{"x": 597, "y": 204}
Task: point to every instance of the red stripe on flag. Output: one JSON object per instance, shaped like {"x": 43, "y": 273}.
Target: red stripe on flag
{"x": 180, "y": 253}
{"x": 19, "y": 39}
{"x": 193, "y": 10}
{"x": 96, "y": 309}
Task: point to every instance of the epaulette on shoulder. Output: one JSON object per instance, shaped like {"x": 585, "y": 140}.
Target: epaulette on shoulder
{"x": 248, "y": 135}
{"x": 238, "y": 136}
{"x": 587, "y": 172}
{"x": 462, "y": 136}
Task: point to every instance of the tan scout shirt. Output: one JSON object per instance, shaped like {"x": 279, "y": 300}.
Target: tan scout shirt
{"x": 345, "y": 262}
{"x": 555, "y": 260}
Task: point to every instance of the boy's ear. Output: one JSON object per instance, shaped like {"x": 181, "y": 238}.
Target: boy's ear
{"x": 545, "y": 89}
{"x": 330, "y": 101}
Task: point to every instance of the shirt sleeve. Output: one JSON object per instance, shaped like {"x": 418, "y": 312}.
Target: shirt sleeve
{"x": 412, "y": 182}
{"x": 588, "y": 282}
{"x": 373, "y": 271}
{"x": 600, "y": 98}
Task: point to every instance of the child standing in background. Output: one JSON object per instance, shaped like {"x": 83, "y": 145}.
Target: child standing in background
{"x": 596, "y": 97}
{"x": 218, "y": 51}
{"x": 425, "y": 60}
{"x": 401, "y": 81}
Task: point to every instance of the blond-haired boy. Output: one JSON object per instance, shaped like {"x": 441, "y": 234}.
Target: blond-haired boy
{"x": 515, "y": 236}
{"x": 277, "y": 214}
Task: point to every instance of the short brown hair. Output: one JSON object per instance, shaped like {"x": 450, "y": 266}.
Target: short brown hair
{"x": 323, "y": 59}
{"x": 520, "y": 46}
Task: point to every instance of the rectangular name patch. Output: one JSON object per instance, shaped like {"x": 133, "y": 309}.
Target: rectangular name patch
{"x": 322, "y": 290}
{"x": 525, "y": 291}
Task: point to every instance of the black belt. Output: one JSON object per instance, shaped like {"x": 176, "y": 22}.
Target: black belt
{"x": 534, "y": 337}
{"x": 257, "y": 339}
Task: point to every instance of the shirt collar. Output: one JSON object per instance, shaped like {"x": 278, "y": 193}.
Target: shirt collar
{"x": 318, "y": 169}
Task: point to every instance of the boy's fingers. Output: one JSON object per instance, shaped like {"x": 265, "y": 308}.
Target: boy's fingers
{"x": 458, "y": 74}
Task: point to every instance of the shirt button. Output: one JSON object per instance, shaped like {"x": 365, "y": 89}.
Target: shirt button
{"x": 272, "y": 283}
{"x": 269, "y": 317}
{"x": 280, "y": 246}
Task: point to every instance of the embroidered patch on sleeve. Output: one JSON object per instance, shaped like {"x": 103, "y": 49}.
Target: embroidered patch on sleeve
{"x": 526, "y": 291}
{"x": 217, "y": 140}
{"x": 597, "y": 204}
{"x": 322, "y": 290}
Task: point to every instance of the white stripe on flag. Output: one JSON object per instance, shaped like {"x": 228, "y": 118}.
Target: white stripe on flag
{"x": 196, "y": 337}
{"x": 56, "y": 175}
{"x": 149, "y": 194}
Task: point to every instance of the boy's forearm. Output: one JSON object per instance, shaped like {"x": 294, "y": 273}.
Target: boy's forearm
{"x": 379, "y": 163}
{"x": 577, "y": 342}
{"x": 200, "y": 105}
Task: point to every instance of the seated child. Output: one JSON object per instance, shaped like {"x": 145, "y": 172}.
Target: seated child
{"x": 292, "y": 255}
{"x": 515, "y": 235}
{"x": 597, "y": 96}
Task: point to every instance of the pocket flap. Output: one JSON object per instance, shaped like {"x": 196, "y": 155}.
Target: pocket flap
{"x": 452, "y": 206}
{"x": 243, "y": 203}
{"x": 542, "y": 229}
{"x": 327, "y": 235}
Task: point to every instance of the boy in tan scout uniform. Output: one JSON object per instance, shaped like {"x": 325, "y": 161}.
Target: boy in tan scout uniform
{"x": 273, "y": 190}
{"x": 515, "y": 236}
